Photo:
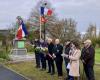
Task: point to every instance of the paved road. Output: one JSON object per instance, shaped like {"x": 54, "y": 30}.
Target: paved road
{"x": 6, "y": 74}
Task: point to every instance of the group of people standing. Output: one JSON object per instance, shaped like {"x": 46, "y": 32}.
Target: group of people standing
{"x": 71, "y": 53}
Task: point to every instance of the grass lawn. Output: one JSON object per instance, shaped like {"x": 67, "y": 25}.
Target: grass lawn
{"x": 28, "y": 69}
{"x": 97, "y": 55}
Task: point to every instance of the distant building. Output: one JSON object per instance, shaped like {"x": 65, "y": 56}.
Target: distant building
{"x": 4, "y": 32}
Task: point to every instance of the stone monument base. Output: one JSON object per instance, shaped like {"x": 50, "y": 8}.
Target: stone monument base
{"x": 19, "y": 51}
{"x": 19, "y": 58}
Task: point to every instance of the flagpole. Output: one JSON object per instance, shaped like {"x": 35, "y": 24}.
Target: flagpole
{"x": 40, "y": 27}
{"x": 44, "y": 30}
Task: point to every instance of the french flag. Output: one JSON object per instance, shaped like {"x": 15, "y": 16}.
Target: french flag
{"x": 22, "y": 31}
{"x": 46, "y": 11}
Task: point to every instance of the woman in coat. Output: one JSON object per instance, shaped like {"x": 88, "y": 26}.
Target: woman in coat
{"x": 74, "y": 56}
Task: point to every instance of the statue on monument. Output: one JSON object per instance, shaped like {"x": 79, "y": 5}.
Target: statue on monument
{"x": 22, "y": 31}
{"x": 20, "y": 38}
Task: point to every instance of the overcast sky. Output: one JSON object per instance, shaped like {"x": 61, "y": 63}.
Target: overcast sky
{"x": 83, "y": 12}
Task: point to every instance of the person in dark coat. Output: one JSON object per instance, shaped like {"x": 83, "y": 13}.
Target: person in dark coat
{"x": 37, "y": 53}
{"x": 67, "y": 50}
{"x": 88, "y": 59}
{"x": 51, "y": 68}
{"x": 58, "y": 50}
{"x": 43, "y": 55}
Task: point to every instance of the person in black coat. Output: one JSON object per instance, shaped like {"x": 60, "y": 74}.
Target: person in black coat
{"x": 58, "y": 50}
{"x": 43, "y": 55}
{"x": 51, "y": 68}
{"x": 67, "y": 50}
{"x": 88, "y": 59}
{"x": 37, "y": 53}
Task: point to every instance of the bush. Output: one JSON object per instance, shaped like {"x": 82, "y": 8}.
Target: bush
{"x": 2, "y": 60}
{"x": 98, "y": 41}
{"x": 94, "y": 41}
{"x": 4, "y": 55}
{"x": 29, "y": 48}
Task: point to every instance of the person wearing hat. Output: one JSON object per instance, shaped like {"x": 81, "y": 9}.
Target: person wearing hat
{"x": 88, "y": 59}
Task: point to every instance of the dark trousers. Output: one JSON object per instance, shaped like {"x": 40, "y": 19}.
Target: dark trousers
{"x": 89, "y": 72}
{"x": 43, "y": 61}
{"x": 51, "y": 67}
{"x": 37, "y": 58}
{"x": 59, "y": 66}
{"x": 73, "y": 78}
{"x": 66, "y": 63}
{"x": 70, "y": 78}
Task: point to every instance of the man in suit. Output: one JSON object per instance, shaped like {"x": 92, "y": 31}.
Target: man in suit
{"x": 58, "y": 50}
{"x": 88, "y": 59}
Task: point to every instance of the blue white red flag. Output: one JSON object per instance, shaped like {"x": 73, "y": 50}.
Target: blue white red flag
{"x": 22, "y": 31}
{"x": 46, "y": 11}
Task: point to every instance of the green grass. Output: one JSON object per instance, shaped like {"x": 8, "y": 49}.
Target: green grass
{"x": 28, "y": 69}
{"x": 97, "y": 55}
{"x": 4, "y": 55}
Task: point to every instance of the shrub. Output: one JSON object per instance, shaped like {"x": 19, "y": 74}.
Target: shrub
{"x": 94, "y": 41}
{"x": 98, "y": 41}
{"x": 4, "y": 55}
{"x": 29, "y": 48}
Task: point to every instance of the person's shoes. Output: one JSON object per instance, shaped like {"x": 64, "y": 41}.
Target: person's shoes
{"x": 48, "y": 72}
{"x": 37, "y": 66}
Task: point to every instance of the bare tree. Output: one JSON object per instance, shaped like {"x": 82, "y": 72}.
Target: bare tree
{"x": 34, "y": 18}
{"x": 65, "y": 30}
{"x": 62, "y": 29}
{"x": 91, "y": 31}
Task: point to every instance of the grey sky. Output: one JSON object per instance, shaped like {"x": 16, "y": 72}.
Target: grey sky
{"x": 82, "y": 11}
